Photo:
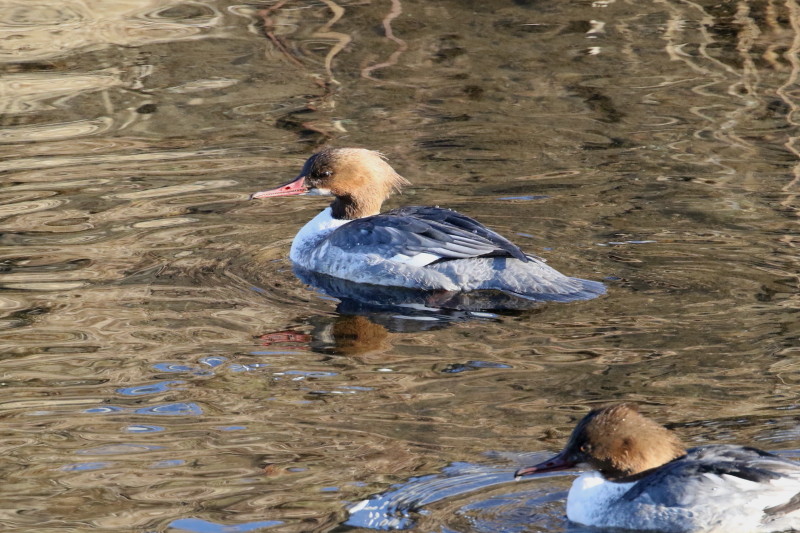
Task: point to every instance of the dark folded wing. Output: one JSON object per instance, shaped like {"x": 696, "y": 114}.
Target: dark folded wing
{"x": 423, "y": 235}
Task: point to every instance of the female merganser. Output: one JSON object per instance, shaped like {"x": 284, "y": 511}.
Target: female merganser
{"x": 643, "y": 478}
{"x": 427, "y": 248}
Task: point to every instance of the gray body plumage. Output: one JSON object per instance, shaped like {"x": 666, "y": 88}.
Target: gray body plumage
{"x": 429, "y": 248}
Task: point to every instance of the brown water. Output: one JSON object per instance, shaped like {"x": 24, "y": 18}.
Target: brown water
{"x": 163, "y": 369}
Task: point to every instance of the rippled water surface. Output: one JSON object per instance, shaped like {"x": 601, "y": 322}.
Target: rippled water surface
{"x": 162, "y": 367}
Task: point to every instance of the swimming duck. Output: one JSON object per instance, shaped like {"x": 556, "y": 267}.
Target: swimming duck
{"x": 642, "y": 477}
{"x": 429, "y": 248}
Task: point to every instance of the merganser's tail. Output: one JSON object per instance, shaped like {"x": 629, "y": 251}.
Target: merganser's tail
{"x": 587, "y": 290}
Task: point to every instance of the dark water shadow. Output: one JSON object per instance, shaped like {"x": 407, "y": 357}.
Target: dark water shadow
{"x": 367, "y": 314}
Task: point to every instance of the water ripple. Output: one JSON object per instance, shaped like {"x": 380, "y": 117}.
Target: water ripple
{"x": 119, "y": 449}
{"x": 148, "y": 304}
{"x": 37, "y": 30}
{"x": 27, "y": 93}
{"x": 20, "y": 208}
{"x": 54, "y": 132}
{"x": 396, "y": 508}
{"x": 177, "y": 189}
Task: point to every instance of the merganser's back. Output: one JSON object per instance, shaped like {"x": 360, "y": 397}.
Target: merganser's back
{"x": 643, "y": 478}
{"x": 428, "y": 248}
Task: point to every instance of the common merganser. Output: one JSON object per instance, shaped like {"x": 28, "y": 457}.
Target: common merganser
{"x": 427, "y": 248}
{"x": 643, "y": 478}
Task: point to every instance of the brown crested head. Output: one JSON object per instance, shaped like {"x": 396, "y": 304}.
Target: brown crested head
{"x": 360, "y": 180}
{"x": 618, "y": 442}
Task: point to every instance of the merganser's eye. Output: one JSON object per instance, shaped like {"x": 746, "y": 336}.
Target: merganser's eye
{"x": 326, "y": 174}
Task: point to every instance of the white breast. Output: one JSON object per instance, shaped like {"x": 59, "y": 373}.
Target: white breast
{"x": 311, "y": 234}
{"x": 591, "y": 496}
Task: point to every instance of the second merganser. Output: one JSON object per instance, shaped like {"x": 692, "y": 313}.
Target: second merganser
{"x": 643, "y": 478}
{"x": 427, "y": 248}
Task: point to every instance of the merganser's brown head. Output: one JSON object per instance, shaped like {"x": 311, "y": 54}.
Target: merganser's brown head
{"x": 616, "y": 441}
{"x": 360, "y": 180}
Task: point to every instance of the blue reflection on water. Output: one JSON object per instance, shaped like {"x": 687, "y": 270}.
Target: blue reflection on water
{"x": 213, "y": 361}
{"x": 152, "y": 388}
{"x": 179, "y": 368}
{"x": 105, "y": 409}
{"x": 82, "y": 467}
{"x": 237, "y": 367}
{"x": 525, "y": 197}
{"x": 167, "y": 463}
{"x": 144, "y": 428}
{"x": 457, "y": 368}
{"x": 204, "y": 526}
{"x": 172, "y": 409}
{"x": 307, "y": 373}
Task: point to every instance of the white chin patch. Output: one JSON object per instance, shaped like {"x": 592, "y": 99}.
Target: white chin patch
{"x": 319, "y": 192}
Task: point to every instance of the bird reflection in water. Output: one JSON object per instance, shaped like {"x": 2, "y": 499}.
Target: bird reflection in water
{"x": 339, "y": 335}
{"x": 368, "y": 314}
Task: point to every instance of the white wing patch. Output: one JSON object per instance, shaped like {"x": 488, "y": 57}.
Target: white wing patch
{"x": 418, "y": 260}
